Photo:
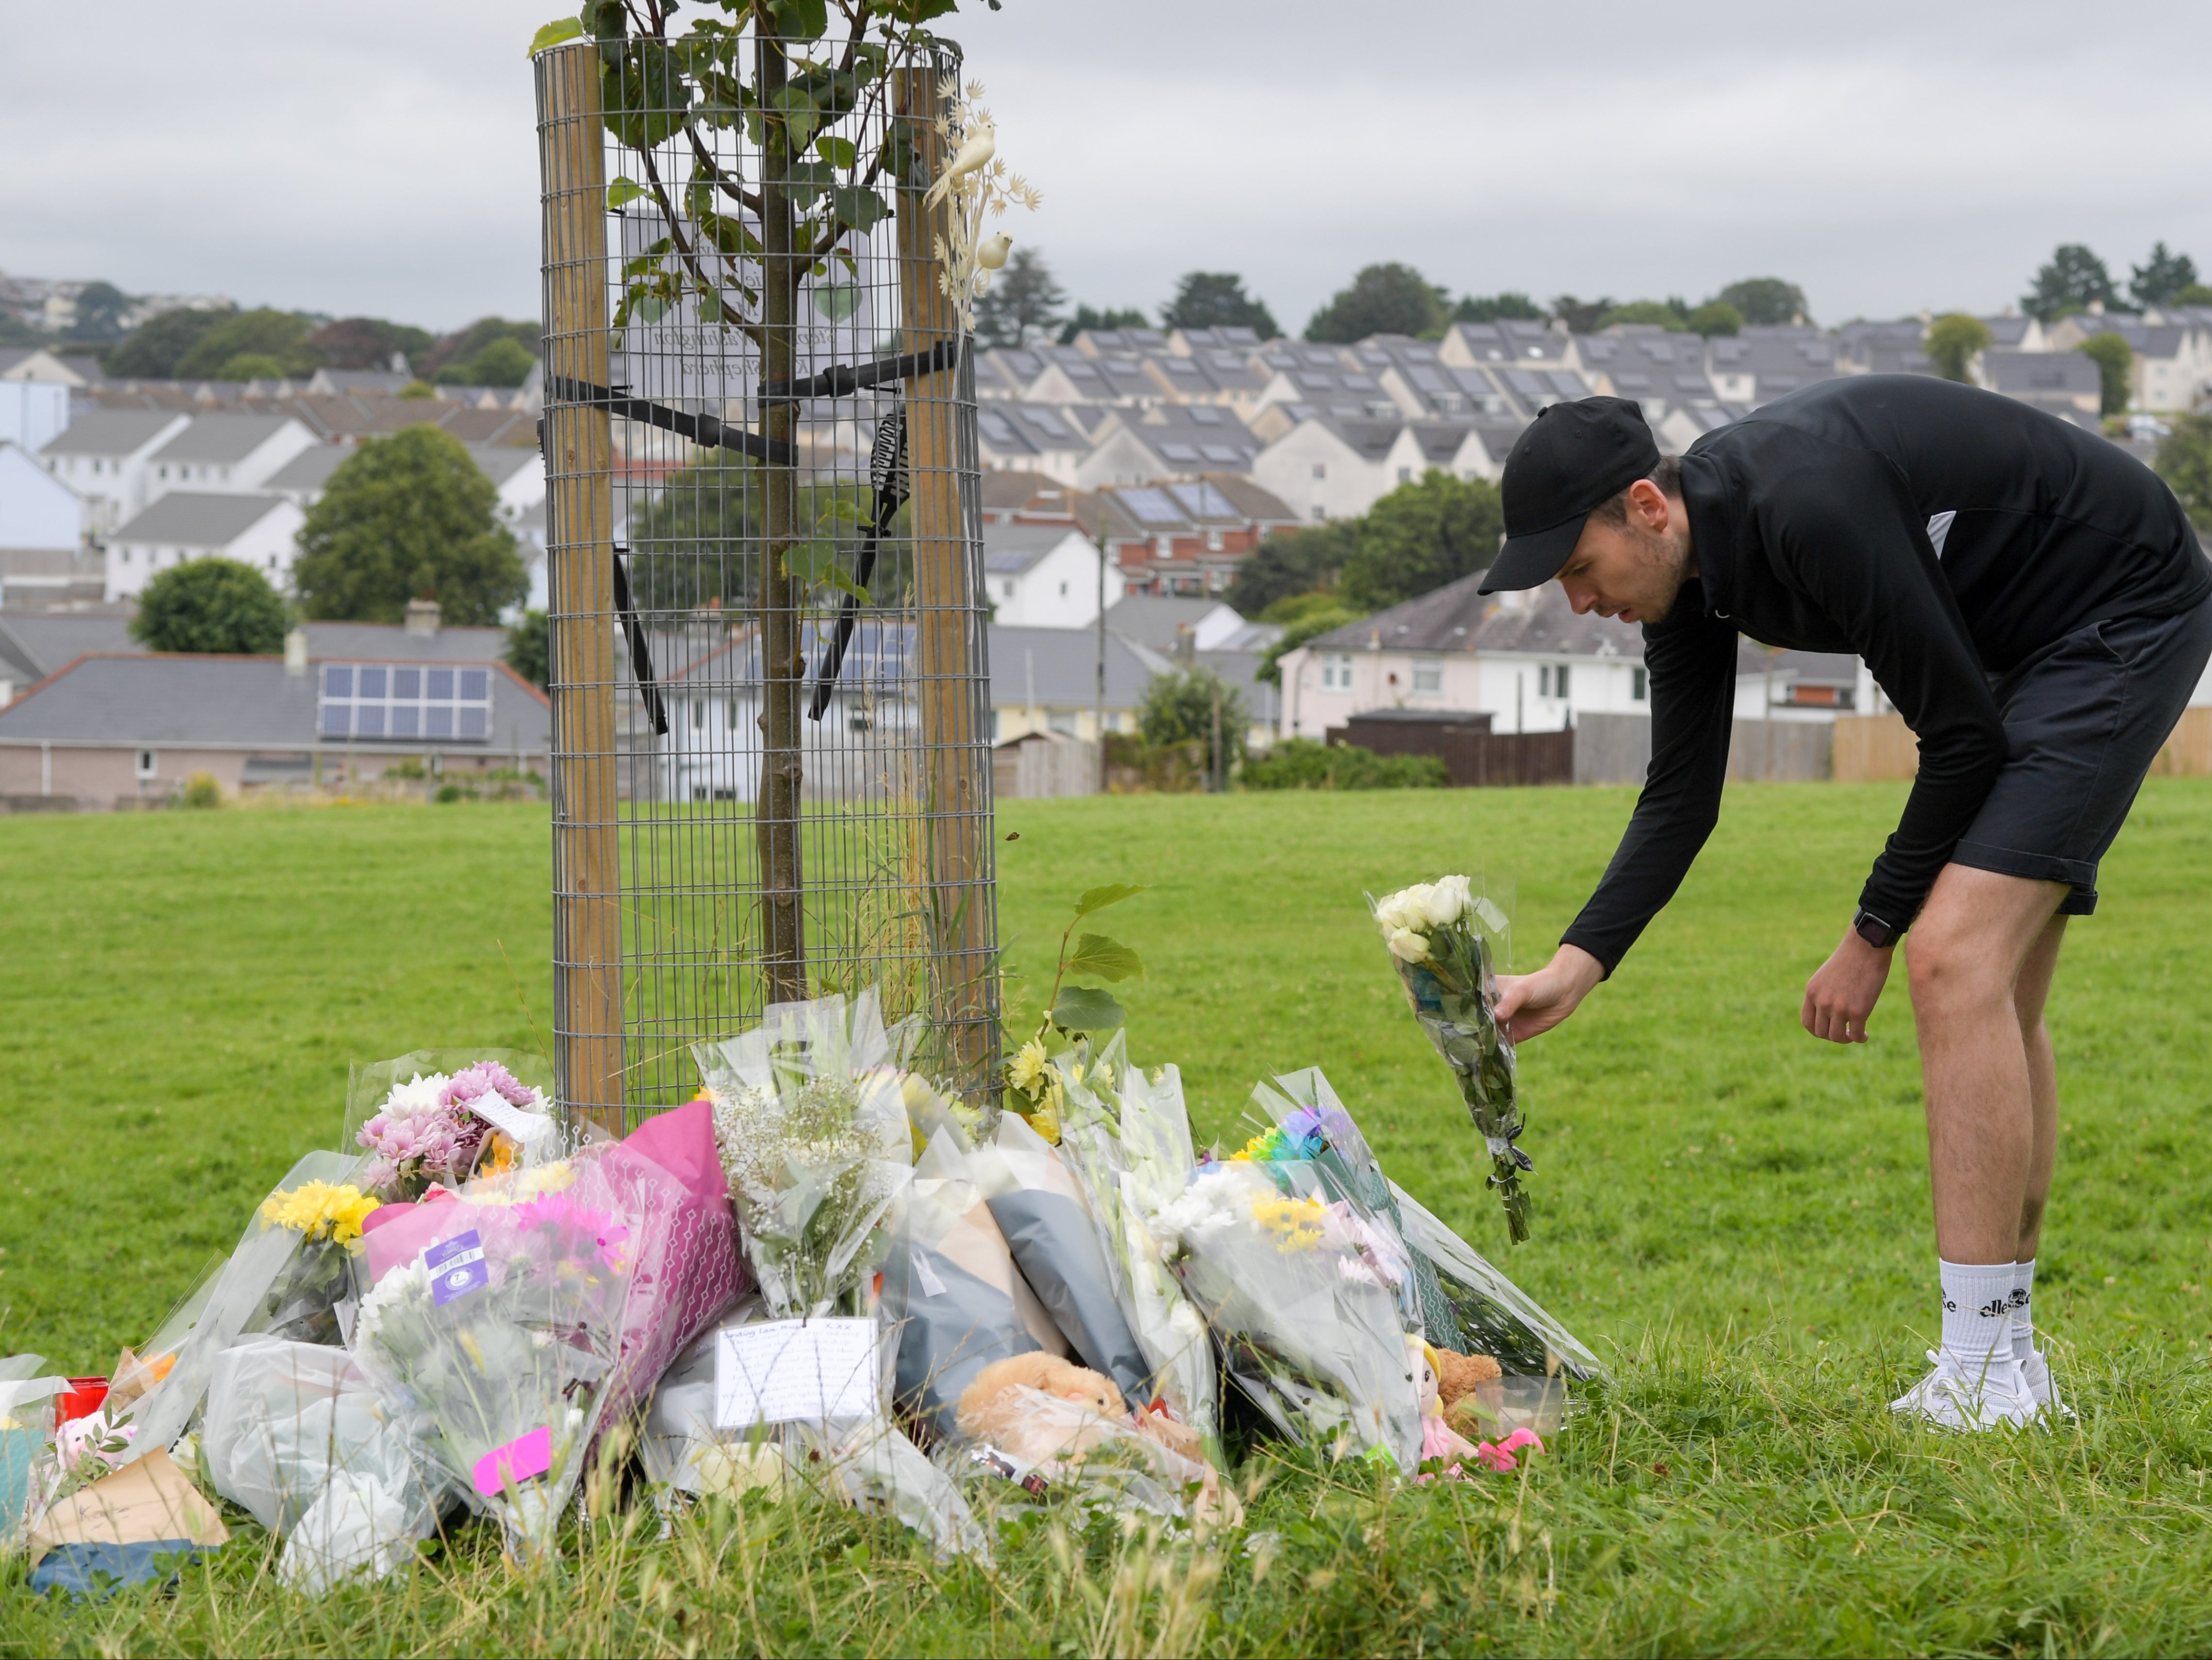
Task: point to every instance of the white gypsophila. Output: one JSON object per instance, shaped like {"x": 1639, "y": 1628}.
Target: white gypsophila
{"x": 1206, "y": 1206}
{"x": 417, "y": 1094}
{"x": 1407, "y": 945}
{"x": 1448, "y": 898}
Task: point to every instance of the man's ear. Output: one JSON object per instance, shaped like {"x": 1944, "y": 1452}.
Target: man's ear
{"x": 1650, "y": 504}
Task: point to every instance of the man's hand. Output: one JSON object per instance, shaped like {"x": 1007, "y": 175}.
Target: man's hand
{"x": 1840, "y": 997}
{"x": 1531, "y": 1003}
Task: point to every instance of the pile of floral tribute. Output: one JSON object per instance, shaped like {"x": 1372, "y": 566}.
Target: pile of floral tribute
{"x": 1067, "y": 1303}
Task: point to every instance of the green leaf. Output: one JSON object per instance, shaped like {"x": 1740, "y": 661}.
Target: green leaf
{"x": 834, "y": 508}
{"x": 1109, "y": 959}
{"x": 1112, "y": 894}
{"x": 863, "y": 209}
{"x": 623, "y": 192}
{"x": 811, "y": 561}
{"x": 844, "y": 584}
{"x": 1085, "y": 1008}
{"x": 801, "y": 20}
{"x": 553, "y": 33}
{"x": 837, "y": 152}
{"x": 836, "y": 300}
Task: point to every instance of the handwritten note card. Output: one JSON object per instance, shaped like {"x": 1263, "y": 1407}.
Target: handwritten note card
{"x": 781, "y": 1371}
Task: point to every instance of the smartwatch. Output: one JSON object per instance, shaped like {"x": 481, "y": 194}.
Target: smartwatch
{"x": 1876, "y": 932}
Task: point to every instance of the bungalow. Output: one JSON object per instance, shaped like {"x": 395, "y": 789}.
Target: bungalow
{"x": 1042, "y": 576}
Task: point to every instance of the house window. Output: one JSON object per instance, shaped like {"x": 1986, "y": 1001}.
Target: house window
{"x": 1640, "y": 686}
{"x": 698, "y": 713}
{"x": 1010, "y": 590}
{"x": 1428, "y": 674}
{"x": 1551, "y": 680}
{"x": 145, "y": 766}
{"x": 1321, "y": 469}
{"x": 1320, "y": 512}
{"x": 1405, "y": 475}
{"x": 1336, "y": 672}
{"x": 1063, "y": 590}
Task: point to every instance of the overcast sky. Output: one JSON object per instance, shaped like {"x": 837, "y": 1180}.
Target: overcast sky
{"x": 1886, "y": 154}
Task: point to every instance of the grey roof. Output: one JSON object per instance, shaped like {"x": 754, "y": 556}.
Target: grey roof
{"x": 198, "y": 518}
{"x": 1061, "y": 664}
{"x": 221, "y": 437}
{"x": 1455, "y": 618}
{"x": 2007, "y": 331}
{"x": 1009, "y": 549}
{"x": 2015, "y": 373}
{"x": 220, "y": 702}
{"x": 311, "y": 469}
{"x": 110, "y": 432}
{"x": 1151, "y": 620}
{"x": 501, "y": 462}
{"x": 388, "y": 642}
{"x": 40, "y": 642}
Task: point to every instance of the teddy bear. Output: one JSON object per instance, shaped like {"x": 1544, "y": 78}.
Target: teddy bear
{"x": 1458, "y": 1379}
{"x": 1001, "y": 1407}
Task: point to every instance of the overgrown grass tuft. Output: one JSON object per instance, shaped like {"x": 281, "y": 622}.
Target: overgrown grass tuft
{"x": 1735, "y": 1216}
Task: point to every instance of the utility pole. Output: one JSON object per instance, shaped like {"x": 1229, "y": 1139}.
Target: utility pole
{"x": 1098, "y": 696}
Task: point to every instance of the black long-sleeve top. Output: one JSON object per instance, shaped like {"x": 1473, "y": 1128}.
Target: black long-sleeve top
{"x": 1815, "y": 523}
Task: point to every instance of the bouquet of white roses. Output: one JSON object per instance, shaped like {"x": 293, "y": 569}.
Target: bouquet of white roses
{"x": 1441, "y": 936}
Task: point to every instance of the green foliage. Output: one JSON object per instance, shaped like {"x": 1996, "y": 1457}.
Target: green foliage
{"x": 691, "y": 540}
{"x": 1508, "y": 306}
{"x": 1716, "y": 317}
{"x": 417, "y": 392}
{"x": 1666, "y": 313}
{"x": 251, "y": 366}
{"x": 1581, "y": 316}
{"x": 1303, "y": 763}
{"x": 368, "y": 343}
{"x": 2072, "y": 279}
{"x": 1290, "y": 561}
{"x": 1314, "y": 619}
{"x": 1179, "y": 707}
{"x": 462, "y": 351}
{"x": 2184, "y": 461}
{"x": 2114, "y": 358}
{"x": 200, "y": 792}
{"x": 1023, "y": 304}
{"x": 153, "y": 349}
{"x": 1297, "y": 607}
{"x": 530, "y": 648}
{"x": 2196, "y": 293}
{"x": 1087, "y": 318}
{"x": 1073, "y": 1009}
{"x": 1217, "y": 300}
{"x": 1764, "y": 301}
{"x": 1953, "y": 343}
{"x": 409, "y": 516}
{"x": 281, "y": 335}
{"x": 504, "y": 363}
{"x": 100, "y": 309}
{"x": 1388, "y": 299}
{"x": 1431, "y": 531}
{"x": 2162, "y": 278}
{"x": 210, "y": 605}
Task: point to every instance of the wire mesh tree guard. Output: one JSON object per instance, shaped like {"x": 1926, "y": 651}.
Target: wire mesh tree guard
{"x": 771, "y": 775}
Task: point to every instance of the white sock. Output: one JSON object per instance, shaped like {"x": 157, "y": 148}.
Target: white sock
{"x": 1977, "y": 1314}
{"x": 2023, "y": 1309}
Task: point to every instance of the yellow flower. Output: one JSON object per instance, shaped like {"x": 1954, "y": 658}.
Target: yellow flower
{"x": 1027, "y": 1070}
{"x": 1045, "y": 1121}
{"x": 320, "y": 1210}
{"x": 1102, "y": 1075}
{"x": 1295, "y": 1223}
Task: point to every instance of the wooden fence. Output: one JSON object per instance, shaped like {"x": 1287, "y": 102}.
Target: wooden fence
{"x": 1871, "y": 747}
{"x": 1473, "y": 756}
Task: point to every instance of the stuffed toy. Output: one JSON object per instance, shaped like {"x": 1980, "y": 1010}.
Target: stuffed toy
{"x": 1438, "y": 1439}
{"x": 1458, "y": 1378}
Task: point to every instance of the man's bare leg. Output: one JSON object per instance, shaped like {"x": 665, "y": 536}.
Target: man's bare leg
{"x": 2029, "y": 995}
{"x": 1965, "y": 955}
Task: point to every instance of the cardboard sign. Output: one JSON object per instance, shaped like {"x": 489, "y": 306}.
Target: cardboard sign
{"x": 782, "y": 1371}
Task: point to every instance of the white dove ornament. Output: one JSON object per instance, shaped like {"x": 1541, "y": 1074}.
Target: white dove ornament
{"x": 975, "y": 151}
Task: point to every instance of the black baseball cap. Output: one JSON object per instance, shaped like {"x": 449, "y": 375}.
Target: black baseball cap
{"x": 1569, "y": 458}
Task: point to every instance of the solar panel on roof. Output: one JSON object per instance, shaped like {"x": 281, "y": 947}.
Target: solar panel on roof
{"x": 1568, "y": 384}
{"x": 1205, "y": 416}
{"x": 1205, "y": 501}
{"x": 1152, "y": 507}
{"x": 1220, "y": 453}
{"x": 1046, "y": 422}
{"x": 1428, "y": 380}
{"x": 995, "y": 428}
{"x": 1690, "y": 382}
{"x": 1525, "y": 382}
{"x": 1318, "y": 382}
{"x": 1360, "y": 382}
{"x": 1179, "y": 451}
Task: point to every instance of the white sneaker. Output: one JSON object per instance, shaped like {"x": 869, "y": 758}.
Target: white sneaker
{"x": 2035, "y": 1372}
{"x": 1954, "y": 1399}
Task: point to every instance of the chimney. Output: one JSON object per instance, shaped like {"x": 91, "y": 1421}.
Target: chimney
{"x": 1186, "y": 645}
{"x": 295, "y": 652}
{"x": 422, "y": 618}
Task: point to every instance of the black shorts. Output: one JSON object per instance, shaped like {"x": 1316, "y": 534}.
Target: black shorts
{"x": 2084, "y": 719}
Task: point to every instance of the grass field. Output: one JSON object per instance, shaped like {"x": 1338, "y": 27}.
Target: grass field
{"x": 1733, "y": 1214}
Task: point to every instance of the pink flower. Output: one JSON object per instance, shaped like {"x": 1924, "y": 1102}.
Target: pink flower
{"x": 558, "y": 1211}
{"x": 1499, "y": 1455}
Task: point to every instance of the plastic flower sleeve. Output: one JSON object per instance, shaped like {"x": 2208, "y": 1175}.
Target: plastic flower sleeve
{"x": 296, "y": 1429}
{"x": 1046, "y": 1222}
{"x": 167, "y": 1410}
{"x": 1444, "y": 941}
{"x": 1307, "y": 1328}
{"x": 493, "y": 1341}
{"x": 1491, "y": 1315}
{"x": 951, "y": 1292}
{"x": 811, "y": 1126}
{"x": 1127, "y": 1142}
{"x": 26, "y": 1434}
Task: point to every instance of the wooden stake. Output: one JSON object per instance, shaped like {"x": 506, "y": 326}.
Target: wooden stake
{"x": 579, "y": 553}
{"x": 950, "y": 648}
{"x": 777, "y": 815}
